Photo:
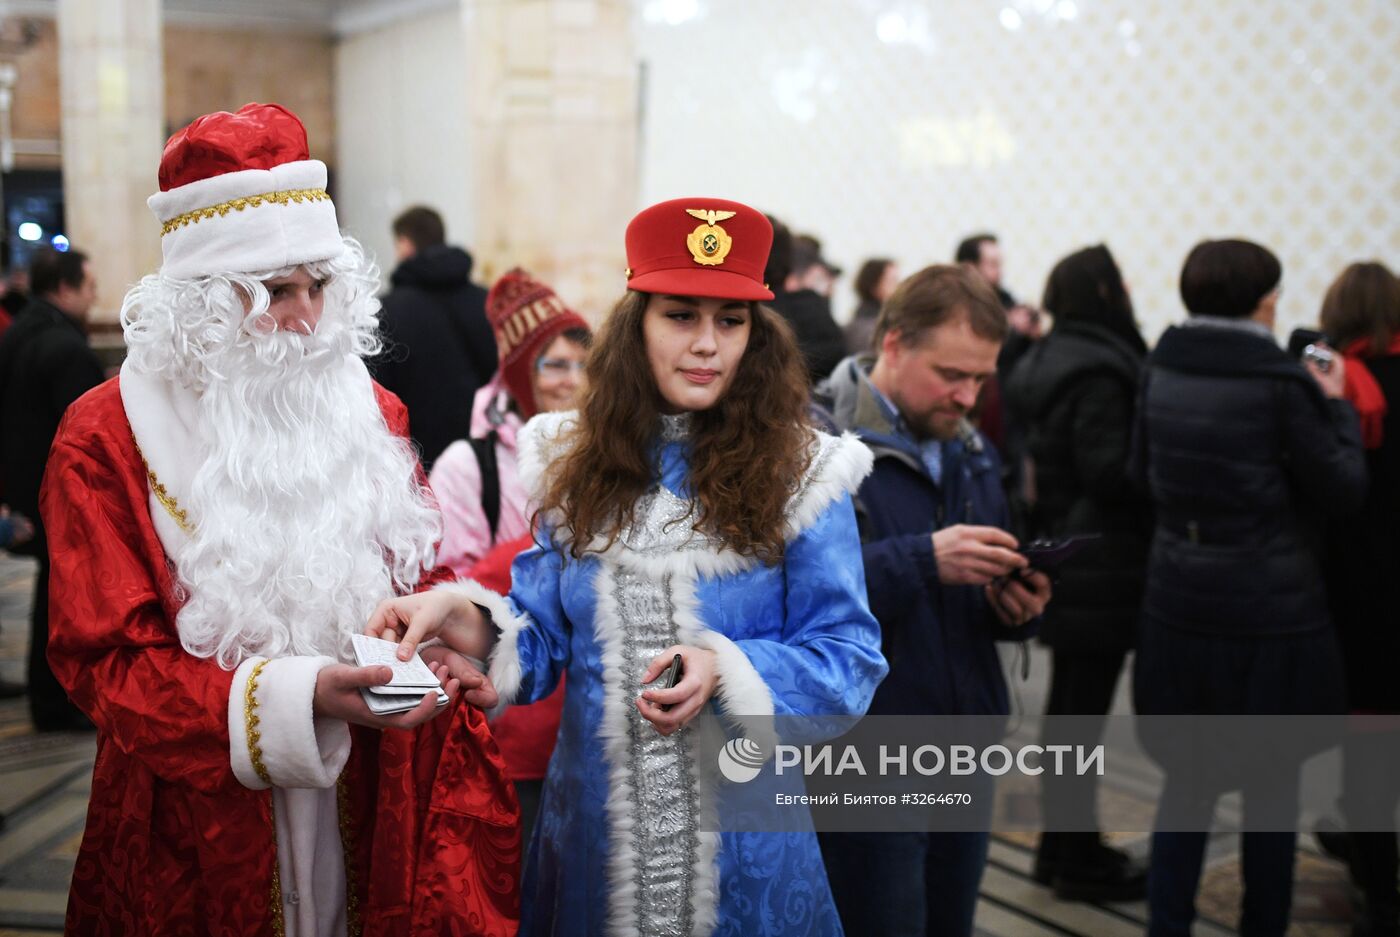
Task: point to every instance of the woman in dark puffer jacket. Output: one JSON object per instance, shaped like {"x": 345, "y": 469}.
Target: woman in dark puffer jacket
{"x": 1243, "y": 451}
{"x": 1076, "y": 391}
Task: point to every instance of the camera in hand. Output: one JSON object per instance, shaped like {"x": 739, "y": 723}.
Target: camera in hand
{"x": 1312, "y": 345}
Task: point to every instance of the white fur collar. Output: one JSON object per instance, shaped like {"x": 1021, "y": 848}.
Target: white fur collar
{"x": 839, "y": 464}
{"x": 162, "y": 418}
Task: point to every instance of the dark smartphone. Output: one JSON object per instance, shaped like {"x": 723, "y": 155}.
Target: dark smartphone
{"x": 1049, "y": 555}
{"x": 670, "y": 677}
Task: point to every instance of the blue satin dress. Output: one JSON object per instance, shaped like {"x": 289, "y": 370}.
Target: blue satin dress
{"x": 622, "y": 845}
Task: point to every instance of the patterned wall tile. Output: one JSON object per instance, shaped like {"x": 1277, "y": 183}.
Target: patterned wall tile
{"x": 897, "y": 126}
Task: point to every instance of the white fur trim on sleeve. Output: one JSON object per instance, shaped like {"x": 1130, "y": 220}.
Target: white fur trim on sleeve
{"x": 744, "y": 696}
{"x": 295, "y": 747}
{"x": 504, "y": 669}
{"x": 742, "y": 691}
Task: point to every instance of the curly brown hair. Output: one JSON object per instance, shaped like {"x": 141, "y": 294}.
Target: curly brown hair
{"x": 748, "y": 452}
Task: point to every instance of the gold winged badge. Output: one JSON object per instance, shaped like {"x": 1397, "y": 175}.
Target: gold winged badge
{"x": 709, "y": 243}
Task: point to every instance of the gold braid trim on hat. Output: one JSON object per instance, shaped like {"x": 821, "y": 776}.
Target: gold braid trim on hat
{"x": 285, "y": 197}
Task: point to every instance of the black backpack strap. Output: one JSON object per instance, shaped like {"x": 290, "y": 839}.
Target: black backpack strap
{"x": 484, "y": 448}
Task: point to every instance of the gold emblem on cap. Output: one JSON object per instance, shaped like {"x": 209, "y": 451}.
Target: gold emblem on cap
{"x": 709, "y": 243}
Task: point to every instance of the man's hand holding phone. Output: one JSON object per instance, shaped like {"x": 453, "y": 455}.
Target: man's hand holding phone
{"x": 972, "y": 555}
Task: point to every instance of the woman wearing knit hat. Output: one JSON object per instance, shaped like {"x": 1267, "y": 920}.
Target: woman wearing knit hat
{"x": 686, "y": 511}
{"x": 542, "y": 345}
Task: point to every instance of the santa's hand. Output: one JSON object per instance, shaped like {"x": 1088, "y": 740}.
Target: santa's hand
{"x": 338, "y": 697}
{"x": 476, "y": 687}
{"x": 687, "y": 697}
{"x": 437, "y": 613}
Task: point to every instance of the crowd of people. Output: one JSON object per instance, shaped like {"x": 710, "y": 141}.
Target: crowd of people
{"x": 721, "y": 487}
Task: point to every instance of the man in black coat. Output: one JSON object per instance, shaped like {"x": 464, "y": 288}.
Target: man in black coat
{"x": 806, "y": 310}
{"x": 45, "y": 364}
{"x": 981, "y": 253}
{"x": 438, "y": 346}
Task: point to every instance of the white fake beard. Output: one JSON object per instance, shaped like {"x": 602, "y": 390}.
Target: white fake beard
{"x": 306, "y": 510}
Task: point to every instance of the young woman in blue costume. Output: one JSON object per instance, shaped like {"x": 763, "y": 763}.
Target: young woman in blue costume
{"x": 687, "y": 508}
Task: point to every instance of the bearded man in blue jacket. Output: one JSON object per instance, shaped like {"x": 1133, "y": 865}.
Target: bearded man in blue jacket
{"x": 942, "y": 572}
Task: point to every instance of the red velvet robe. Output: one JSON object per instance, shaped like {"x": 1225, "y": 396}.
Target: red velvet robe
{"x": 525, "y": 734}
{"x": 174, "y": 843}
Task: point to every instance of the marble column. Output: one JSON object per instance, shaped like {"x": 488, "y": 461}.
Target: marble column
{"x": 111, "y": 89}
{"x": 553, "y": 96}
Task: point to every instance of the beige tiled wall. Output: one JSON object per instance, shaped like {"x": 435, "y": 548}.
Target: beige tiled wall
{"x": 894, "y": 127}
{"x": 223, "y": 69}
{"x": 402, "y": 133}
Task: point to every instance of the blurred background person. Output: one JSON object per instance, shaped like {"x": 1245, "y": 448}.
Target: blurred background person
{"x": 981, "y": 253}
{"x": 45, "y": 364}
{"x": 1242, "y": 450}
{"x": 438, "y": 346}
{"x": 810, "y": 268}
{"x": 794, "y": 267}
{"x": 875, "y": 281}
{"x": 15, "y": 296}
{"x": 485, "y": 517}
{"x": 541, "y": 371}
{"x": 15, "y": 530}
{"x": 1075, "y": 392}
{"x": 1361, "y": 314}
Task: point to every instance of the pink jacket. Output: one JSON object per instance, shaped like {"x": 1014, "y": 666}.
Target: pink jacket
{"x": 456, "y": 480}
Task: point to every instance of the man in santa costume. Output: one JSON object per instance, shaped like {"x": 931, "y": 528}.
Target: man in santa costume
{"x": 222, "y": 517}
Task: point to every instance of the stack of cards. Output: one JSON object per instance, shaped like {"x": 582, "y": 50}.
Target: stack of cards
{"x": 412, "y": 678}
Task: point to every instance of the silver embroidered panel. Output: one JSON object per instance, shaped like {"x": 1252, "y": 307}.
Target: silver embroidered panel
{"x": 664, "y": 524}
{"x": 665, "y": 797}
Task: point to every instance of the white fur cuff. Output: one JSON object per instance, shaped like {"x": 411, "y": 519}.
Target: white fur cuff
{"x": 504, "y": 669}
{"x": 742, "y": 691}
{"x": 274, "y": 737}
{"x": 743, "y": 696}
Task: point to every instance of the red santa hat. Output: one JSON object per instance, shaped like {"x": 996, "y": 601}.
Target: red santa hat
{"x": 239, "y": 194}
{"x": 526, "y": 316}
